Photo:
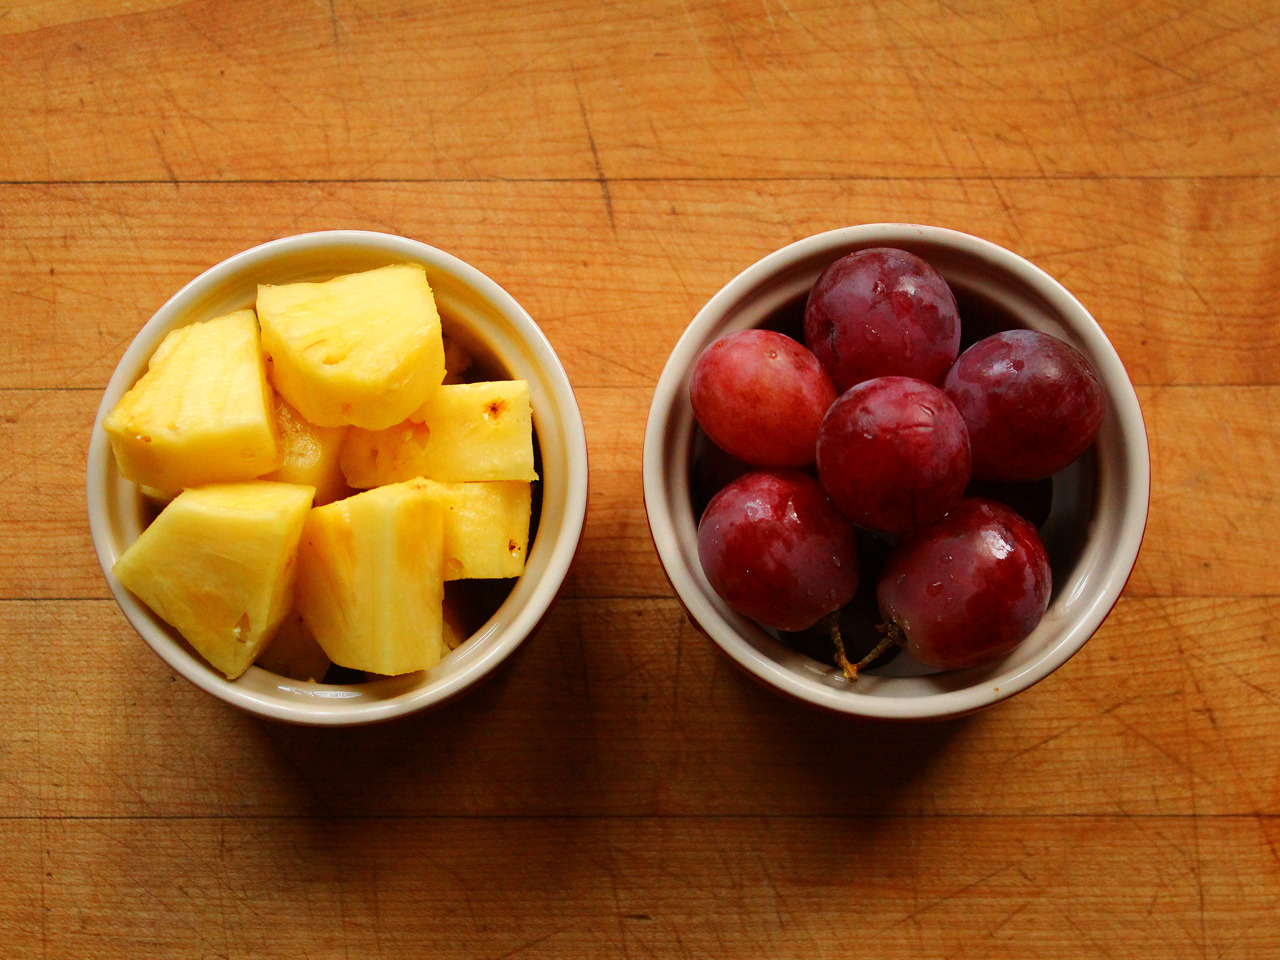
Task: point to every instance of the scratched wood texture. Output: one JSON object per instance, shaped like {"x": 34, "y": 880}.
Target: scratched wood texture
{"x": 618, "y": 789}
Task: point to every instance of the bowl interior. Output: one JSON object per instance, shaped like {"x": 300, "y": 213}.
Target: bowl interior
{"x": 1099, "y": 503}
{"x": 503, "y": 337}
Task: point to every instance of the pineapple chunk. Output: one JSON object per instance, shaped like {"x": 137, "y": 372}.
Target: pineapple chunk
{"x": 486, "y": 527}
{"x": 202, "y": 411}
{"x": 309, "y": 454}
{"x": 370, "y": 583}
{"x": 294, "y": 652}
{"x": 472, "y": 431}
{"x": 218, "y": 565}
{"x": 363, "y": 348}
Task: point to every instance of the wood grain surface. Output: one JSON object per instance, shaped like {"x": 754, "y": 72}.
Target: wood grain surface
{"x": 618, "y": 789}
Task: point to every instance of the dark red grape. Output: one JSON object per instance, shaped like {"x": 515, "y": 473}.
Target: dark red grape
{"x": 760, "y": 396}
{"x": 893, "y": 454}
{"x": 968, "y": 588}
{"x": 882, "y": 312}
{"x": 775, "y": 549}
{"x": 1031, "y": 401}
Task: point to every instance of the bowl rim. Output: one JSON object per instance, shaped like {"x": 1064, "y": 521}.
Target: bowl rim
{"x": 992, "y": 689}
{"x": 345, "y": 708}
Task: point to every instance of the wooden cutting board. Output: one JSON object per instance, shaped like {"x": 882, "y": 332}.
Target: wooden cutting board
{"x": 619, "y": 789}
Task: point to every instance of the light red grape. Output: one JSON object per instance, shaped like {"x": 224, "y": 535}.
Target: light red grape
{"x": 775, "y": 549}
{"x": 882, "y": 312}
{"x": 1031, "y": 402}
{"x": 761, "y": 396}
{"x": 968, "y": 588}
{"x": 893, "y": 454}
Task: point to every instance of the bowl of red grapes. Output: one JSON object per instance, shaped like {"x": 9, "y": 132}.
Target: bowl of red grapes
{"x": 896, "y": 471}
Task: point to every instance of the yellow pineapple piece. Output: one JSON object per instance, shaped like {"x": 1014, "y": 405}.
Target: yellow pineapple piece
{"x": 486, "y": 527}
{"x": 202, "y": 411}
{"x": 218, "y": 565}
{"x": 466, "y": 431}
{"x": 370, "y": 584}
{"x": 294, "y": 652}
{"x": 363, "y": 348}
{"x": 309, "y": 454}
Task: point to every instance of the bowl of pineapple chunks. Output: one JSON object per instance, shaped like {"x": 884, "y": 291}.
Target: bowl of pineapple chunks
{"x": 337, "y": 478}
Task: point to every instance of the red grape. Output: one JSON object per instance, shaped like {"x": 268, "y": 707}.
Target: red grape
{"x": 1031, "y": 402}
{"x": 760, "y": 396}
{"x": 968, "y": 588}
{"x": 882, "y": 312}
{"x": 775, "y": 549}
{"x": 893, "y": 454}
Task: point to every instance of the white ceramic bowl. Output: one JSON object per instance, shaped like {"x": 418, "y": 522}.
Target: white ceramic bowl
{"x": 1099, "y": 506}
{"x": 483, "y": 315}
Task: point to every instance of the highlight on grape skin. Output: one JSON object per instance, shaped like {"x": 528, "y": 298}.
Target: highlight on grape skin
{"x": 882, "y": 312}
{"x": 893, "y": 454}
{"x": 774, "y": 548}
{"x": 761, "y": 396}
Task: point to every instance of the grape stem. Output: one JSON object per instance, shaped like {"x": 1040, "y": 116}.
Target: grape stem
{"x": 892, "y": 634}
